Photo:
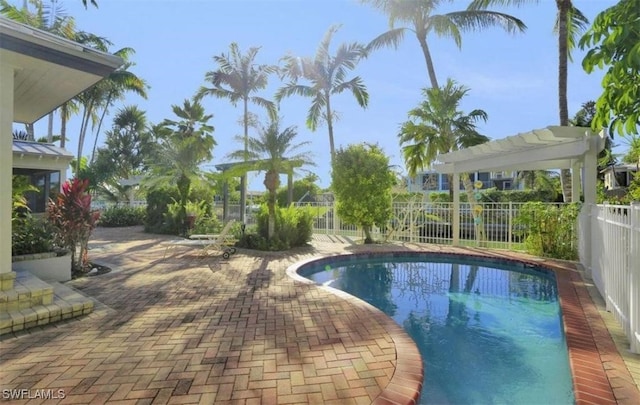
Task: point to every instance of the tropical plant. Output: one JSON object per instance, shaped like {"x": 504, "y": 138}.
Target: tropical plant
{"x": 102, "y": 94}
{"x": 73, "y": 220}
{"x": 274, "y": 152}
{"x": 304, "y": 189}
{"x": 182, "y": 146}
{"x": 438, "y": 126}
{"x": 614, "y": 39}
{"x": 539, "y": 180}
{"x": 122, "y": 157}
{"x": 361, "y": 179}
{"x": 569, "y": 24}
{"x": 419, "y": 14}
{"x": 236, "y": 79}
{"x": 327, "y": 76}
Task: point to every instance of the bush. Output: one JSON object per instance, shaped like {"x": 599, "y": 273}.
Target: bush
{"x": 550, "y": 229}
{"x": 493, "y": 195}
{"x": 31, "y": 235}
{"x": 294, "y": 227}
{"x": 157, "y": 202}
{"x": 117, "y": 216}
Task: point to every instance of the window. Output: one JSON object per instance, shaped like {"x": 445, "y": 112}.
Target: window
{"x": 506, "y": 185}
{"x": 48, "y": 185}
{"x": 445, "y": 182}
{"x": 485, "y": 178}
{"x": 430, "y": 181}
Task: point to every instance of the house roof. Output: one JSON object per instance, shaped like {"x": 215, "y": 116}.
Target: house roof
{"x": 553, "y": 147}
{"x": 37, "y": 155}
{"x": 49, "y": 70}
{"x": 629, "y": 167}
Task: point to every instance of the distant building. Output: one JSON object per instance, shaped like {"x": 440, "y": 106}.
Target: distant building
{"x": 431, "y": 181}
{"x": 619, "y": 176}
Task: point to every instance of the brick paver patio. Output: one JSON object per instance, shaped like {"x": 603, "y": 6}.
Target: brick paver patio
{"x": 201, "y": 330}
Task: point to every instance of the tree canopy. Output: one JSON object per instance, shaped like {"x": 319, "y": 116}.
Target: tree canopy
{"x": 614, "y": 39}
{"x": 361, "y": 180}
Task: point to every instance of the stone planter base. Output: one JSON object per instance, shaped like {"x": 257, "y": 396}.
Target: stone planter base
{"x": 45, "y": 266}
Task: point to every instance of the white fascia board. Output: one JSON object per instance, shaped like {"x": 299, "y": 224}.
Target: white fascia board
{"x": 520, "y": 159}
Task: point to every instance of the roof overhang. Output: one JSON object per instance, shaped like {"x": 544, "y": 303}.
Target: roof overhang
{"x": 49, "y": 70}
{"x": 41, "y": 156}
{"x": 553, "y": 147}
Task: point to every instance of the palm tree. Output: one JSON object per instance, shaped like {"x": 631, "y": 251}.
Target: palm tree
{"x": 236, "y": 79}
{"x": 569, "y": 24}
{"x": 326, "y": 75}
{"x": 182, "y": 146}
{"x": 102, "y": 94}
{"x": 540, "y": 180}
{"x": 438, "y": 126}
{"x": 114, "y": 88}
{"x": 274, "y": 152}
{"x": 418, "y": 14}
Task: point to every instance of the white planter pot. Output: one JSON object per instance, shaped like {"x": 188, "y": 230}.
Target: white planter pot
{"x": 45, "y": 266}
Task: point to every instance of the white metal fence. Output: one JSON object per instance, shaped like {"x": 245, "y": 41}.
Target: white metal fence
{"x": 420, "y": 221}
{"x": 610, "y": 250}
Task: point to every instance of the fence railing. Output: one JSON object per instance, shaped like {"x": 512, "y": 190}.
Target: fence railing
{"x": 610, "y": 251}
{"x": 419, "y": 221}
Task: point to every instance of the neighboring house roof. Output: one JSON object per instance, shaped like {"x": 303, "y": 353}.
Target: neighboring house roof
{"x": 49, "y": 70}
{"x": 629, "y": 167}
{"x": 37, "y": 155}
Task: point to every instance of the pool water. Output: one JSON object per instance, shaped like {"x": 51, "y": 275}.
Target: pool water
{"x": 488, "y": 333}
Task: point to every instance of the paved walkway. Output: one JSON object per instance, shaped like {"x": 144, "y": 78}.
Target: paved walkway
{"x": 201, "y": 330}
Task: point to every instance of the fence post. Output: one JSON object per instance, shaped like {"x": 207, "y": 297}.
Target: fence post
{"x": 634, "y": 278}
{"x": 510, "y": 226}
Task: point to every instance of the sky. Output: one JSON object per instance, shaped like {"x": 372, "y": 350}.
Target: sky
{"x": 512, "y": 77}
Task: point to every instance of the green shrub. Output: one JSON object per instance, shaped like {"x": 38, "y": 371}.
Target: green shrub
{"x": 117, "y": 216}
{"x": 294, "y": 227}
{"x": 550, "y": 229}
{"x": 206, "y": 224}
{"x": 157, "y": 202}
{"x": 31, "y": 235}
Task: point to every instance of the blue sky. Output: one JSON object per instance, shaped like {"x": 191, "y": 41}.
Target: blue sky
{"x": 513, "y": 78}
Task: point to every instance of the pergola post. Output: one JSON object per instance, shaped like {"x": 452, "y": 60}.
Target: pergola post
{"x": 591, "y": 171}
{"x": 576, "y": 180}
{"x": 6, "y": 163}
{"x": 455, "y": 183}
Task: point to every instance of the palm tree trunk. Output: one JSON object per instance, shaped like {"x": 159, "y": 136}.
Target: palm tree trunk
{"x": 332, "y": 148}
{"x": 30, "y": 132}
{"x": 427, "y": 57}
{"x": 473, "y": 203}
{"x": 563, "y": 11}
{"x": 95, "y": 140}
{"x": 83, "y": 131}
{"x": 64, "y": 111}
{"x": 50, "y": 128}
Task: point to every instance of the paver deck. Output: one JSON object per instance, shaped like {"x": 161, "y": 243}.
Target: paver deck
{"x": 202, "y": 330}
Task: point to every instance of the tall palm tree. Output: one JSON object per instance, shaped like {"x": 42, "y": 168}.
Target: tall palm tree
{"x": 570, "y": 23}
{"x": 437, "y": 126}
{"x": 275, "y": 152}
{"x": 182, "y": 146}
{"x": 236, "y": 79}
{"x": 102, "y": 94}
{"x": 114, "y": 88}
{"x": 419, "y": 15}
{"x": 326, "y": 75}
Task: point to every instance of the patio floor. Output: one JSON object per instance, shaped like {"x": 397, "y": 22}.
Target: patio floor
{"x": 200, "y": 330}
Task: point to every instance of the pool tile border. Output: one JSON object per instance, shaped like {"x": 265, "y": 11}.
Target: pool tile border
{"x": 598, "y": 372}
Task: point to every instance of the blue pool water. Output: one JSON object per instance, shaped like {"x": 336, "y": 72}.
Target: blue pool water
{"x": 488, "y": 333}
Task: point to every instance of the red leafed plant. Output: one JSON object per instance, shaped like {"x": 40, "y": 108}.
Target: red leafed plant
{"x": 71, "y": 216}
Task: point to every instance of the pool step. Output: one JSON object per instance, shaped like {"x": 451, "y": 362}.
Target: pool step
{"x": 33, "y": 302}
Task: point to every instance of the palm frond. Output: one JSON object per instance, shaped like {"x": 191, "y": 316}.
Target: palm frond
{"x": 577, "y": 25}
{"x": 294, "y": 89}
{"x": 475, "y": 20}
{"x": 391, "y": 38}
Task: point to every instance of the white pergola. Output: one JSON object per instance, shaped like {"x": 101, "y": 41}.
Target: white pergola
{"x": 553, "y": 147}
{"x": 38, "y": 72}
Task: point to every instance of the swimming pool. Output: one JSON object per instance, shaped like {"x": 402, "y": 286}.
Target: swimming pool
{"x": 488, "y": 332}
